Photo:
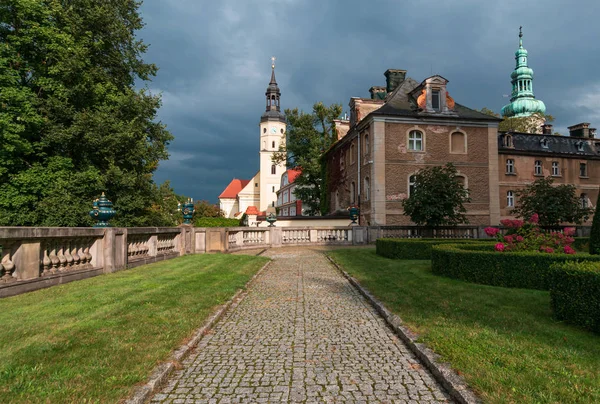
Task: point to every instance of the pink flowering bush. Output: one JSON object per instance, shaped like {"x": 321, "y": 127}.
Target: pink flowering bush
{"x": 527, "y": 236}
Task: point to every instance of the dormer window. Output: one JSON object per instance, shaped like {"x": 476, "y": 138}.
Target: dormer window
{"x": 508, "y": 141}
{"x": 579, "y": 146}
{"x": 544, "y": 143}
{"x": 435, "y": 99}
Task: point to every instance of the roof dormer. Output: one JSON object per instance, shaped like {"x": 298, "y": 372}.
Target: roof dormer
{"x": 432, "y": 97}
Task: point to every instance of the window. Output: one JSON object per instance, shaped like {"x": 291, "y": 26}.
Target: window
{"x": 510, "y": 199}
{"x": 273, "y": 188}
{"x": 285, "y": 197}
{"x": 508, "y": 141}
{"x": 282, "y": 131}
{"x": 457, "y": 143}
{"x": 273, "y": 169}
{"x": 583, "y": 169}
{"x": 352, "y": 153}
{"x": 256, "y": 185}
{"x": 367, "y": 188}
{"x": 285, "y": 211}
{"x": 353, "y": 193}
{"x": 415, "y": 141}
{"x": 342, "y": 162}
{"x": 411, "y": 184}
{"x": 273, "y": 204}
{"x": 544, "y": 143}
{"x": 264, "y": 130}
{"x": 510, "y": 166}
{"x": 292, "y": 196}
{"x": 583, "y": 201}
{"x": 435, "y": 100}
{"x": 367, "y": 144}
{"x": 580, "y": 146}
{"x": 462, "y": 180}
{"x": 292, "y": 211}
{"x": 537, "y": 167}
{"x": 555, "y": 169}
{"x": 273, "y": 144}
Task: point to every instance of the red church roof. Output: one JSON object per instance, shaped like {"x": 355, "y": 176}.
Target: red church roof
{"x": 233, "y": 189}
{"x": 293, "y": 173}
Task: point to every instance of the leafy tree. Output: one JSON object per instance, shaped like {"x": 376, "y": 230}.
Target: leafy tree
{"x": 595, "y": 233}
{"x": 437, "y": 198}
{"x": 72, "y": 123}
{"x": 554, "y": 204}
{"x": 207, "y": 209}
{"x": 308, "y": 136}
{"x": 526, "y": 124}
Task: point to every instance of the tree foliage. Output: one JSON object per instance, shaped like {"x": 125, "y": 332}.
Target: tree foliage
{"x": 524, "y": 124}
{"x": 308, "y": 136}
{"x": 438, "y": 198}
{"x": 207, "y": 209}
{"x": 595, "y": 232}
{"x": 554, "y": 204}
{"x": 72, "y": 123}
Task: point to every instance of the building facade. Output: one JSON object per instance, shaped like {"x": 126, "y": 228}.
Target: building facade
{"x": 288, "y": 205}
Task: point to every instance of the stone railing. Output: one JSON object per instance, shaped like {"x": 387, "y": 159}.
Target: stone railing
{"x": 35, "y": 257}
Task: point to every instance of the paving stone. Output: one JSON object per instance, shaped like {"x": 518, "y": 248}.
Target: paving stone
{"x": 302, "y": 334}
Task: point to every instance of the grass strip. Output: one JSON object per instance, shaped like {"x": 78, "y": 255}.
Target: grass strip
{"x": 95, "y": 339}
{"x": 503, "y": 341}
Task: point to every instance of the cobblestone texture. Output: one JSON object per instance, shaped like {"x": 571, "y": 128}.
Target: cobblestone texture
{"x": 302, "y": 334}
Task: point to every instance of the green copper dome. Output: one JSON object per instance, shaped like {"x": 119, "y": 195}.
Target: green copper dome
{"x": 522, "y": 100}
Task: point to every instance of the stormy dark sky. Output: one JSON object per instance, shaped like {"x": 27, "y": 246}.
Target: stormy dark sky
{"x": 214, "y": 61}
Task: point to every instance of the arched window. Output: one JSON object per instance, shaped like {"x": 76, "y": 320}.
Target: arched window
{"x": 367, "y": 188}
{"x": 264, "y": 130}
{"x": 415, "y": 140}
{"x": 508, "y": 141}
{"x": 352, "y": 192}
{"x": 367, "y": 145}
{"x": 411, "y": 184}
{"x": 544, "y": 143}
{"x": 583, "y": 201}
{"x": 458, "y": 143}
{"x": 273, "y": 169}
{"x": 510, "y": 199}
{"x": 273, "y": 144}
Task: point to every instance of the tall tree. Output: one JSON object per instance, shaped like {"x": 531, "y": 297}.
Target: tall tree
{"x": 308, "y": 136}
{"x": 554, "y": 204}
{"x": 437, "y": 198}
{"x": 72, "y": 123}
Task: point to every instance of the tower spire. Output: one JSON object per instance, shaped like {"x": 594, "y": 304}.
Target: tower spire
{"x": 273, "y": 81}
{"x": 273, "y": 110}
{"x": 523, "y": 102}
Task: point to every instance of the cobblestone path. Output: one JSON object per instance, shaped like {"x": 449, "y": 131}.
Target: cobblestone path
{"x": 302, "y": 334}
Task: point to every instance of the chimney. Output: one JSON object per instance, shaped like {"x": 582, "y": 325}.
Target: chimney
{"x": 394, "y": 78}
{"x": 592, "y": 132}
{"x": 377, "y": 93}
{"x": 580, "y": 130}
{"x": 546, "y": 129}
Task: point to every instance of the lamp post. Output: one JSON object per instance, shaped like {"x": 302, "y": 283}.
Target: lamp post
{"x": 187, "y": 209}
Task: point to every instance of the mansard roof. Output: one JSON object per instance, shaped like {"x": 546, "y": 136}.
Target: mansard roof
{"x": 549, "y": 145}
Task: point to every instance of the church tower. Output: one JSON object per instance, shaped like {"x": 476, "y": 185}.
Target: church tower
{"x": 522, "y": 100}
{"x": 272, "y": 137}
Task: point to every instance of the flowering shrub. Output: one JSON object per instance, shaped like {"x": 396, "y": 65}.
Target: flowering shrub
{"x": 527, "y": 236}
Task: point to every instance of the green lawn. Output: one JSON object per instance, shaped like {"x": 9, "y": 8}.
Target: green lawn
{"x": 93, "y": 340}
{"x": 503, "y": 341}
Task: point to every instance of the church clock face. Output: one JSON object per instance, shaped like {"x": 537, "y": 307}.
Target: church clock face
{"x": 273, "y": 129}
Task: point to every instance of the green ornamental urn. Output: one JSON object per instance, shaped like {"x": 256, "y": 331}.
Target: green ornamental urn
{"x": 271, "y": 219}
{"x": 353, "y": 213}
{"x": 187, "y": 209}
{"x": 103, "y": 211}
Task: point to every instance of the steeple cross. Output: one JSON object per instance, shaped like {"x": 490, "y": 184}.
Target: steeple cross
{"x": 521, "y": 31}
{"x": 273, "y": 58}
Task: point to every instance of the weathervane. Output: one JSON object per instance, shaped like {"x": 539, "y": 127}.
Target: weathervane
{"x": 273, "y": 58}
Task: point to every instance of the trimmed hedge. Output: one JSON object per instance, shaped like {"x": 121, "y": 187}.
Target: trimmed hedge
{"x": 216, "y": 222}
{"x": 530, "y": 270}
{"x": 575, "y": 294}
{"x": 416, "y": 248}
{"x": 581, "y": 244}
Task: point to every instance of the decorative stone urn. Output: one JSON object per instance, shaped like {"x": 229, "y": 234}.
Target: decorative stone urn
{"x": 187, "y": 210}
{"x": 271, "y": 219}
{"x": 354, "y": 211}
{"x": 103, "y": 211}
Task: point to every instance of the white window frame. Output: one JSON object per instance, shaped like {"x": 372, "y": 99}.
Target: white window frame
{"x": 538, "y": 167}
{"x": 510, "y": 166}
{"x": 555, "y": 169}
{"x": 510, "y": 199}
{"x": 411, "y": 183}
{"x": 585, "y": 170}
{"x": 415, "y": 137}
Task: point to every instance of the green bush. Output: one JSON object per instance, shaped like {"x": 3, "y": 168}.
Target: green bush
{"x": 523, "y": 269}
{"x": 216, "y": 222}
{"x": 575, "y": 294}
{"x": 416, "y": 248}
{"x": 581, "y": 244}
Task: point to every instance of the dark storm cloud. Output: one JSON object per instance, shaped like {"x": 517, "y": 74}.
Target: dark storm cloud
{"x": 214, "y": 65}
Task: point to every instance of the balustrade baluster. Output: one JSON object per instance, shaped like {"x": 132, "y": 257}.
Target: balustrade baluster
{"x": 68, "y": 255}
{"x": 61, "y": 257}
{"x": 87, "y": 253}
{"x": 6, "y": 264}
{"x": 45, "y": 262}
{"x": 76, "y": 258}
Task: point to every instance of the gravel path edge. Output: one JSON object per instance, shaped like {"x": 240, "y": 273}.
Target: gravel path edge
{"x": 162, "y": 372}
{"x": 454, "y": 384}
